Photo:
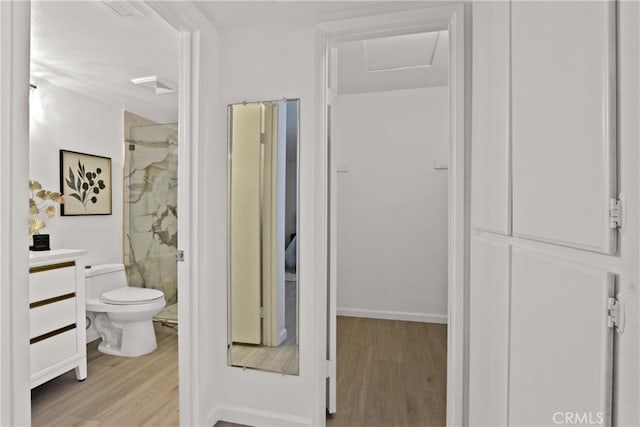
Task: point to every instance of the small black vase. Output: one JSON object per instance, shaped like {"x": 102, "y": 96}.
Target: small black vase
{"x": 40, "y": 242}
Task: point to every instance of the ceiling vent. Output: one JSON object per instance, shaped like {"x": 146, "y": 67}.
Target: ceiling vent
{"x": 124, "y": 9}
{"x": 155, "y": 84}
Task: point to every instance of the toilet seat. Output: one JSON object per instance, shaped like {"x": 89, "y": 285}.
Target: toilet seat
{"x": 131, "y": 295}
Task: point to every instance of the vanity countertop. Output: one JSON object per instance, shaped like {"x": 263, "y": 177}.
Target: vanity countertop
{"x": 43, "y": 257}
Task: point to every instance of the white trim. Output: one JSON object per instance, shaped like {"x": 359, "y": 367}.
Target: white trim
{"x": 254, "y": 417}
{"x": 15, "y": 399}
{"x": 282, "y": 335}
{"x": 189, "y": 378}
{"x": 188, "y": 101}
{"x": 456, "y": 18}
{"x": 393, "y": 315}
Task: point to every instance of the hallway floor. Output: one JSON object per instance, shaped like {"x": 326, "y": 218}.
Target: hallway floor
{"x": 390, "y": 373}
{"x": 118, "y": 391}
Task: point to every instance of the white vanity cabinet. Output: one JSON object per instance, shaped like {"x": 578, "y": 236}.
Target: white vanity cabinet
{"x": 57, "y": 315}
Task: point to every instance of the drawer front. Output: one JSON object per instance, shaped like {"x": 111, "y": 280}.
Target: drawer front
{"x": 49, "y": 317}
{"x": 50, "y": 281}
{"x": 53, "y": 350}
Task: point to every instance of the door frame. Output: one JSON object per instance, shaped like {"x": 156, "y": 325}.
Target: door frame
{"x": 15, "y": 406}
{"x": 457, "y": 19}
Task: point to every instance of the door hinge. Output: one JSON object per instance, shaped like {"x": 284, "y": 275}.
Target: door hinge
{"x": 180, "y": 255}
{"x": 330, "y": 369}
{"x": 263, "y": 138}
{"x": 615, "y": 213}
{"x": 615, "y": 317}
{"x": 262, "y": 312}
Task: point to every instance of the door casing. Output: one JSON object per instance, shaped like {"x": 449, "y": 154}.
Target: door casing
{"x": 455, "y": 18}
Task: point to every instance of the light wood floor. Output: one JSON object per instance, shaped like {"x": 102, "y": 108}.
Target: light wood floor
{"x": 390, "y": 374}
{"x": 281, "y": 359}
{"x": 118, "y": 391}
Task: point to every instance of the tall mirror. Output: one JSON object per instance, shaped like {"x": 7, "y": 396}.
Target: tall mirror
{"x": 263, "y": 235}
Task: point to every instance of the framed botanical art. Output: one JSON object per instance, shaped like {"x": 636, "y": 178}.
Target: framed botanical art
{"x": 85, "y": 183}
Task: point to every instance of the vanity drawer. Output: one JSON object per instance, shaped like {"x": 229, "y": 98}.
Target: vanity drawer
{"x": 52, "y": 350}
{"x": 51, "y": 281}
{"x": 49, "y": 317}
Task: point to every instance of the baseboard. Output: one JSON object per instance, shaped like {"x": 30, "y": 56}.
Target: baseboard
{"x": 254, "y": 417}
{"x": 393, "y": 315}
{"x": 282, "y": 336}
{"x": 92, "y": 335}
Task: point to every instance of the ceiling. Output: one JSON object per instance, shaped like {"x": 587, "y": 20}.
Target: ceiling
{"x": 230, "y": 14}
{"x": 85, "y": 47}
{"x": 420, "y": 64}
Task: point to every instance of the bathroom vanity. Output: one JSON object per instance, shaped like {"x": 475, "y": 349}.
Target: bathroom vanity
{"x": 57, "y": 314}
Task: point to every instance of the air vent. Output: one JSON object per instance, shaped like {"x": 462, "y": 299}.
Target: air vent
{"x": 124, "y": 9}
{"x": 154, "y": 83}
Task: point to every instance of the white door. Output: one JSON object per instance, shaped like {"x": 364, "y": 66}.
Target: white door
{"x": 563, "y": 122}
{"x": 332, "y": 247}
{"x": 245, "y": 223}
{"x": 544, "y": 254}
{"x": 561, "y": 343}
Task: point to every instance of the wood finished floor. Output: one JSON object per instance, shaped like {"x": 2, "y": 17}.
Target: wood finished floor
{"x": 118, "y": 391}
{"x": 283, "y": 358}
{"x": 390, "y": 374}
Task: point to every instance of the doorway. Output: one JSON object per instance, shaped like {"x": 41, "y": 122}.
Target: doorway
{"x": 390, "y": 155}
{"x": 451, "y": 19}
{"x": 82, "y": 111}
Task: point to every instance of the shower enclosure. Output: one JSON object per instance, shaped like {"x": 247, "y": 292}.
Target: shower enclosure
{"x": 150, "y": 211}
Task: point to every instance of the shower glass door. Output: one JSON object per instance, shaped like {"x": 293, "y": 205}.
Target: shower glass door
{"x": 151, "y": 210}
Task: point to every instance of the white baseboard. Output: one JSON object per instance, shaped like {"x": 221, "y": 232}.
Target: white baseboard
{"x": 392, "y": 315}
{"x": 92, "y": 335}
{"x": 253, "y": 417}
{"x": 282, "y": 336}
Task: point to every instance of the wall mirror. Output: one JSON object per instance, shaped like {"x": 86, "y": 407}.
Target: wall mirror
{"x": 263, "y": 236}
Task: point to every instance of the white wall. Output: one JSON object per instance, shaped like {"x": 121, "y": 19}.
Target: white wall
{"x": 392, "y": 204}
{"x": 63, "y": 119}
{"x": 263, "y": 63}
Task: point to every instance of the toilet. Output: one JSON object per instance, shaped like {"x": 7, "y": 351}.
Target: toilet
{"x": 122, "y": 314}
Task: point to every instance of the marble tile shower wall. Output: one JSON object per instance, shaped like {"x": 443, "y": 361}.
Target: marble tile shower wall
{"x": 151, "y": 200}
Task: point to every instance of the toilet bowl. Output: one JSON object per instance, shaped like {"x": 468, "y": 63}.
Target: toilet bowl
{"x": 122, "y": 315}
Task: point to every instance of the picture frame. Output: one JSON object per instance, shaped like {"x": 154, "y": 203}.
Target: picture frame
{"x": 85, "y": 183}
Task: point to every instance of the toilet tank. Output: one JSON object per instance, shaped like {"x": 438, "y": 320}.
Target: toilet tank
{"x": 104, "y": 277}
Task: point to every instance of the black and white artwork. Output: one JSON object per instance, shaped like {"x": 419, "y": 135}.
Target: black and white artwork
{"x": 85, "y": 182}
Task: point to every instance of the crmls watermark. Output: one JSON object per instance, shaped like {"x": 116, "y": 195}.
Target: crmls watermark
{"x": 578, "y": 418}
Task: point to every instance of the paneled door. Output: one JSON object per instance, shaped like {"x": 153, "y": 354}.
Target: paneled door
{"x": 561, "y": 342}
{"x": 563, "y": 122}
{"x": 546, "y": 268}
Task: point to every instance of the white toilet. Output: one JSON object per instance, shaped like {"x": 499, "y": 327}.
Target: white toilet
{"x": 122, "y": 315}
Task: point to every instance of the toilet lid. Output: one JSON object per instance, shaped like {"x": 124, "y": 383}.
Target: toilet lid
{"x": 131, "y": 295}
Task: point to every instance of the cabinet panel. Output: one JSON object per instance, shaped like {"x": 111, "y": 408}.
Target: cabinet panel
{"x": 489, "y": 333}
{"x": 52, "y": 350}
{"x": 491, "y": 195}
{"x": 51, "y": 281}
{"x": 560, "y": 343}
{"x": 50, "y": 317}
{"x": 563, "y": 122}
